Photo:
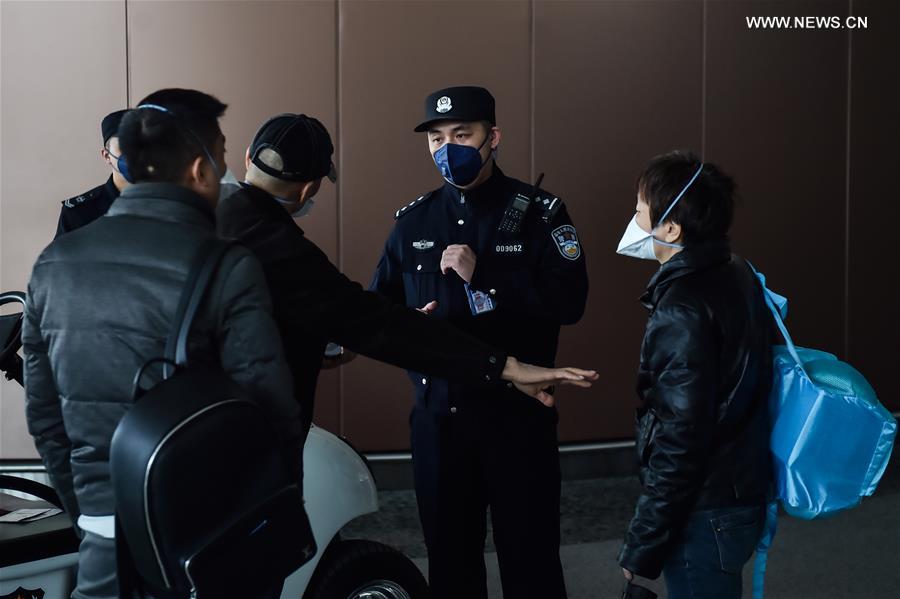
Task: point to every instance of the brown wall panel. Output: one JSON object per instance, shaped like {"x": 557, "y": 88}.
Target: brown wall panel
{"x": 392, "y": 55}
{"x": 587, "y": 92}
{"x": 874, "y": 293}
{"x": 776, "y": 113}
{"x": 58, "y": 83}
{"x": 615, "y": 84}
{"x": 261, "y": 58}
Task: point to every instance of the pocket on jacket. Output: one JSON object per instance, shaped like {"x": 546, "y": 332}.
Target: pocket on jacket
{"x": 737, "y": 534}
{"x": 421, "y": 271}
{"x": 646, "y": 427}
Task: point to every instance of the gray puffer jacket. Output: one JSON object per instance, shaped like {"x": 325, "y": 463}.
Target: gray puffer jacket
{"x": 100, "y": 304}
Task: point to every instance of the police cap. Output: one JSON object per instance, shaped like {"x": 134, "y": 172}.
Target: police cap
{"x": 462, "y": 103}
{"x": 109, "y": 126}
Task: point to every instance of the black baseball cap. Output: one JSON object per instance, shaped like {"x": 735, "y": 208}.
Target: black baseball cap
{"x": 461, "y": 103}
{"x": 109, "y": 126}
{"x": 302, "y": 149}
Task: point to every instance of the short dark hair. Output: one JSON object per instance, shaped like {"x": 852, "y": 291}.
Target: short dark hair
{"x": 705, "y": 211}
{"x": 160, "y": 146}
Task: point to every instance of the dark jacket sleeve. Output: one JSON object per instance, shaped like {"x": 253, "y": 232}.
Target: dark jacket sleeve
{"x": 556, "y": 290}
{"x": 379, "y": 326}
{"x": 43, "y": 411}
{"x": 251, "y": 351}
{"x": 681, "y": 357}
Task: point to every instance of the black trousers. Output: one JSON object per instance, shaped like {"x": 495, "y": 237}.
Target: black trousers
{"x": 505, "y": 457}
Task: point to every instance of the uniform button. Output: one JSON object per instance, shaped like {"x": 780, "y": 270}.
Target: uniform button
{"x": 492, "y": 360}
{"x": 509, "y": 385}
{"x": 419, "y": 267}
{"x": 460, "y": 222}
{"x": 424, "y": 381}
{"x": 487, "y": 377}
{"x": 493, "y": 292}
{"x": 453, "y": 410}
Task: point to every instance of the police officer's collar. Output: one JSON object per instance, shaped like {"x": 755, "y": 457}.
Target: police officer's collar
{"x": 110, "y": 188}
{"x": 490, "y": 189}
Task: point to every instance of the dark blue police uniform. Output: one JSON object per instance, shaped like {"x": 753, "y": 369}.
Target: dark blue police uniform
{"x": 479, "y": 446}
{"x": 87, "y": 207}
{"x": 91, "y": 205}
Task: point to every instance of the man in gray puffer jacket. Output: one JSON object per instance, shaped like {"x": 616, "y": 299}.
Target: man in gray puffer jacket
{"x": 101, "y": 301}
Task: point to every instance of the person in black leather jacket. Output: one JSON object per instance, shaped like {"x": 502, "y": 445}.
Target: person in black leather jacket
{"x": 704, "y": 380}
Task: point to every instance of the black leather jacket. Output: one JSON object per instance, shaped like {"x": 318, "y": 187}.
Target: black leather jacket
{"x": 704, "y": 380}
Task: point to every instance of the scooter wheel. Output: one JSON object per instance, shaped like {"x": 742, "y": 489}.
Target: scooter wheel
{"x": 366, "y": 570}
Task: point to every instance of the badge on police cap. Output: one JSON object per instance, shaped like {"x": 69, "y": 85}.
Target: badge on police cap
{"x": 444, "y": 105}
{"x": 566, "y": 239}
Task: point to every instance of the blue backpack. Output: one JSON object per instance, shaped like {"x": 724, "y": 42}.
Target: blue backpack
{"x": 831, "y": 438}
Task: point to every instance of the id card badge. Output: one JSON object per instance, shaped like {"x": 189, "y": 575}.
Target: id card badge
{"x": 479, "y": 301}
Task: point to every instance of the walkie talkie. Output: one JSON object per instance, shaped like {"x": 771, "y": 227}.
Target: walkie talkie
{"x": 515, "y": 214}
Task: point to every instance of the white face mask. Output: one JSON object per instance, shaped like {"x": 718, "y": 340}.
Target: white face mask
{"x": 638, "y": 243}
{"x": 303, "y": 210}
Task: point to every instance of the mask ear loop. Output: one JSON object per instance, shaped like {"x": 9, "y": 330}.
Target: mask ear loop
{"x": 671, "y": 206}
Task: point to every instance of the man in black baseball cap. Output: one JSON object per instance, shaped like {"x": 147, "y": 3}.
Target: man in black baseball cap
{"x": 501, "y": 259}
{"x": 91, "y": 205}
{"x": 315, "y": 303}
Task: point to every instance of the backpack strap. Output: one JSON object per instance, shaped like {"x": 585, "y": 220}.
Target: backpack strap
{"x": 767, "y": 295}
{"x": 203, "y": 267}
{"x": 762, "y": 549}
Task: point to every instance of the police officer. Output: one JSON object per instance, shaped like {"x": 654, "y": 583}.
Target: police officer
{"x": 91, "y": 205}
{"x": 314, "y": 302}
{"x": 502, "y": 260}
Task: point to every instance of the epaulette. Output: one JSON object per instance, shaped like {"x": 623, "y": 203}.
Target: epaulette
{"x": 78, "y": 200}
{"x": 413, "y": 205}
{"x": 547, "y": 205}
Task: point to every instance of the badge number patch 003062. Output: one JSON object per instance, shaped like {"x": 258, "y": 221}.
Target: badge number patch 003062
{"x": 566, "y": 240}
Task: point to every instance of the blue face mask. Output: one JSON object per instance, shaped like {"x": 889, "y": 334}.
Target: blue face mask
{"x": 459, "y": 164}
{"x": 122, "y": 166}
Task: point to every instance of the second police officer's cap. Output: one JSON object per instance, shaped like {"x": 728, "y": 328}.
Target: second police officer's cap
{"x": 109, "y": 126}
{"x": 461, "y": 103}
{"x": 293, "y": 147}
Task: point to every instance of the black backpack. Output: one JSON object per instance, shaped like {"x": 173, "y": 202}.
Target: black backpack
{"x": 206, "y": 504}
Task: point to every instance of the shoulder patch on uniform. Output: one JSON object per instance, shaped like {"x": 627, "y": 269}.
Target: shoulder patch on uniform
{"x": 566, "y": 240}
{"x": 412, "y": 205}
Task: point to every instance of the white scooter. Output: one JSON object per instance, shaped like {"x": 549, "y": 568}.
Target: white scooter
{"x": 339, "y": 487}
